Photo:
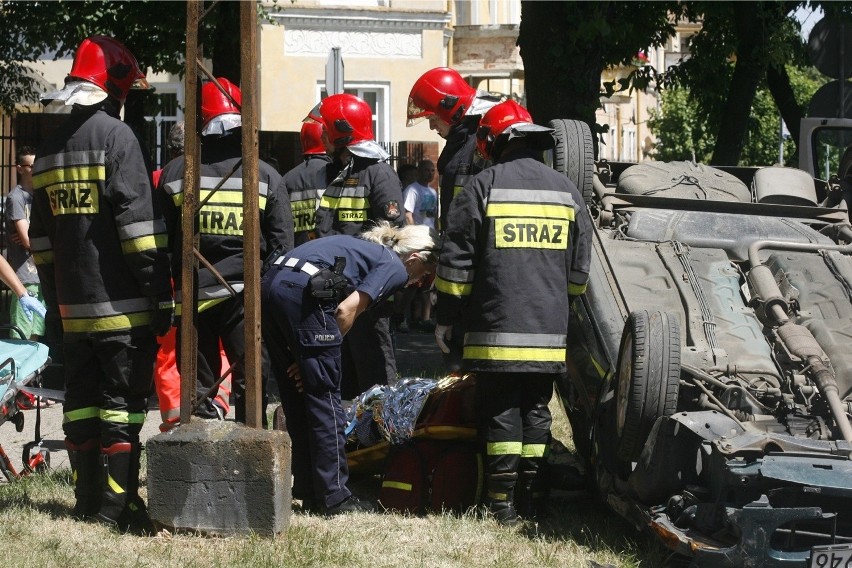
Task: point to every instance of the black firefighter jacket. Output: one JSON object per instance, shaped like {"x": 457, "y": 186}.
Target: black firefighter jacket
{"x": 97, "y": 234}
{"x": 516, "y": 247}
{"x": 304, "y": 185}
{"x": 365, "y": 191}
{"x": 458, "y": 162}
{"x": 220, "y": 220}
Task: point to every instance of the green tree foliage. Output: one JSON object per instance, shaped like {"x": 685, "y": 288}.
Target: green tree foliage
{"x": 685, "y": 130}
{"x": 681, "y": 132}
{"x": 566, "y": 46}
{"x": 154, "y": 30}
{"x": 741, "y": 48}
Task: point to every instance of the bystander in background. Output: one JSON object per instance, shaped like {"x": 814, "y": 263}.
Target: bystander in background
{"x": 17, "y": 218}
{"x": 421, "y": 208}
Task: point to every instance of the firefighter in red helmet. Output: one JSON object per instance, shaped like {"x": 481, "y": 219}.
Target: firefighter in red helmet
{"x": 99, "y": 242}
{"x": 365, "y": 192}
{"x": 305, "y": 183}
{"x": 453, "y": 109}
{"x": 220, "y": 306}
{"x": 517, "y": 230}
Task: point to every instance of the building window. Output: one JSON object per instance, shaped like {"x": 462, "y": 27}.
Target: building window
{"x": 463, "y": 9}
{"x": 628, "y": 144}
{"x": 375, "y": 95}
{"x": 164, "y": 111}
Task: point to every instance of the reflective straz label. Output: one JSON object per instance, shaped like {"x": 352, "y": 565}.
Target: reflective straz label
{"x": 74, "y": 199}
{"x": 531, "y": 233}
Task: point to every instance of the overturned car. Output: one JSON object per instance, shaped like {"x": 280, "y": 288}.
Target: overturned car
{"x": 710, "y": 361}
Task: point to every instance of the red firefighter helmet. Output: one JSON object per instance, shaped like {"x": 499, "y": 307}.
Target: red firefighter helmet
{"x": 510, "y": 119}
{"x": 311, "y": 137}
{"x": 107, "y": 63}
{"x": 215, "y": 103}
{"x": 347, "y": 119}
{"x": 441, "y": 92}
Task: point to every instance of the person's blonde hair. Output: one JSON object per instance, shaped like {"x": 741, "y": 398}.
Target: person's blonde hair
{"x": 407, "y": 239}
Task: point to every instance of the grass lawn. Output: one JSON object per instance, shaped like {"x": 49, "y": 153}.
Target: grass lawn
{"x": 36, "y": 530}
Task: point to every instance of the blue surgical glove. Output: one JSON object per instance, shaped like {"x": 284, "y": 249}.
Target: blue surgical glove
{"x": 31, "y": 305}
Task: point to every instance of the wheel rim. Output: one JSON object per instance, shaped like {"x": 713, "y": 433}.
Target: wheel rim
{"x": 625, "y": 375}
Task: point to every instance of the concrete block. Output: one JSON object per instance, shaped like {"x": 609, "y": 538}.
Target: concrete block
{"x": 220, "y": 477}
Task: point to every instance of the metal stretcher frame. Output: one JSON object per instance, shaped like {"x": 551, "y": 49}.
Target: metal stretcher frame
{"x": 22, "y": 364}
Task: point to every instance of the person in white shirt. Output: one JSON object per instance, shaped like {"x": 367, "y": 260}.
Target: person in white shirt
{"x": 420, "y": 200}
{"x": 421, "y": 208}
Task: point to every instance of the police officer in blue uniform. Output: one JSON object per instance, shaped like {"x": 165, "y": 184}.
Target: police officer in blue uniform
{"x": 310, "y": 299}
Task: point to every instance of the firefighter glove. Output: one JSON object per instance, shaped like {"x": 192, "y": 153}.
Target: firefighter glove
{"x": 442, "y": 333}
{"x": 31, "y": 305}
{"x": 164, "y": 313}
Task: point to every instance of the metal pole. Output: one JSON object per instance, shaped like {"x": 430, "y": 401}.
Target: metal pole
{"x": 191, "y": 176}
{"x": 251, "y": 216}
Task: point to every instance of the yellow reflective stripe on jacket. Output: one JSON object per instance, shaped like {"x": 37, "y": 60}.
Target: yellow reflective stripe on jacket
{"x": 533, "y": 450}
{"x": 202, "y": 305}
{"x": 503, "y": 448}
{"x": 534, "y": 210}
{"x": 142, "y": 244}
{"x": 576, "y": 289}
{"x": 71, "y": 173}
{"x": 122, "y": 416}
{"x": 43, "y": 258}
{"x": 459, "y": 183}
{"x": 514, "y": 354}
{"x": 227, "y": 197}
{"x": 345, "y": 202}
{"x": 457, "y": 289}
{"x": 81, "y": 414}
{"x": 496, "y": 346}
{"x": 106, "y": 323}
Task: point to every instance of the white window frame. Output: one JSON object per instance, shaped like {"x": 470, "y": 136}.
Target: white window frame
{"x": 382, "y": 114}
{"x": 628, "y": 143}
{"x": 167, "y": 89}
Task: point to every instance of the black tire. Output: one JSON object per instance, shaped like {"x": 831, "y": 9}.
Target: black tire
{"x": 574, "y": 154}
{"x": 647, "y": 378}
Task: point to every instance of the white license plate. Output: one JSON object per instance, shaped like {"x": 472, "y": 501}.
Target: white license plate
{"x": 831, "y": 556}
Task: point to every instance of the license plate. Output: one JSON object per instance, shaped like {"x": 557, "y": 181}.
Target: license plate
{"x": 832, "y": 556}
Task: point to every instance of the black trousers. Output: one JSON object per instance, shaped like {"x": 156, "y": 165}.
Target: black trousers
{"x": 225, "y": 321}
{"x": 296, "y": 327}
{"x": 107, "y": 384}
{"x": 515, "y": 419}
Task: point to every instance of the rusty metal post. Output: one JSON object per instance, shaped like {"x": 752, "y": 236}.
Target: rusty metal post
{"x": 191, "y": 176}
{"x": 251, "y": 214}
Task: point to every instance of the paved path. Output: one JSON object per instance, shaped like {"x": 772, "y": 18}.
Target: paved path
{"x": 416, "y": 353}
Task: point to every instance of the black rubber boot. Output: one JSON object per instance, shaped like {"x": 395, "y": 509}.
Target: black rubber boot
{"x": 116, "y": 468}
{"x": 134, "y": 518}
{"x": 531, "y": 494}
{"x": 84, "y": 459}
{"x": 533, "y": 488}
{"x": 499, "y": 501}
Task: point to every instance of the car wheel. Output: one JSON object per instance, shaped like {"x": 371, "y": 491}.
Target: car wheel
{"x": 648, "y": 376}
{"x": 574, "y": 154}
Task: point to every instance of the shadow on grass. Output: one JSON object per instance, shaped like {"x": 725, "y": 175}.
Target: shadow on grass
{"x": 590, "y": 523}
{"x": 38, "y": 492}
